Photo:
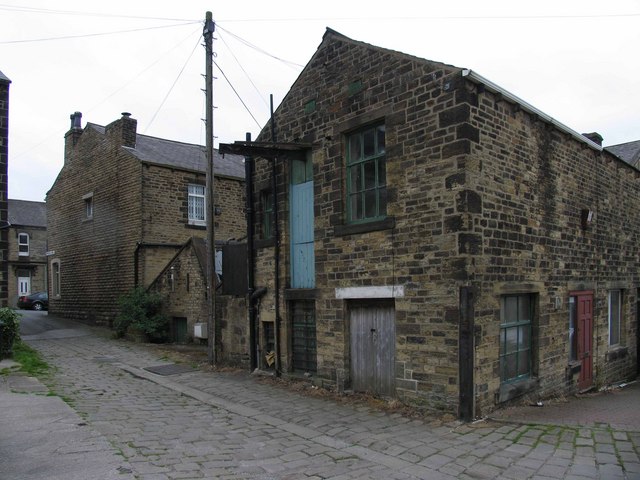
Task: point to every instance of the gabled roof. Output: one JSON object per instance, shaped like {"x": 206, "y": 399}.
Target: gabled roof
{"x": 4, "y": 78}
{"x": 199, "y": 246}
{"x": 629, "y": 152}
{"x": 466, "y": 73}
{"x": 27, "y": 214}
{"x": 187, "y": 156}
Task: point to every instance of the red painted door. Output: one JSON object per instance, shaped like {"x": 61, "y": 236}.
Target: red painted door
{"x": 585, "y": 339}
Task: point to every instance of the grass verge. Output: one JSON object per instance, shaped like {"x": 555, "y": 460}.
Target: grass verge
{"x": 30, "y": 360}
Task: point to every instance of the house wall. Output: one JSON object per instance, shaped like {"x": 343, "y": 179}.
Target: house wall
{"x": 165, "y": 214}
{"x": 414, "y": 249}
{"x": 96, "y": 254}
{"x": 140, "y": 219}
{"x": 533, "y": 183}
{"x": 182, "y": 286}
{"x": 35, "y": 263}
{"x": 4, "y": 162}
{"x": 481, "y": 195}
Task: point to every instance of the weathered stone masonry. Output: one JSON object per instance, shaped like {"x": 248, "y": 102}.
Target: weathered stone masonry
{"x": 140, "y": 217}
{"x": 482, "y": 194}
{"x": 4, "y": 163}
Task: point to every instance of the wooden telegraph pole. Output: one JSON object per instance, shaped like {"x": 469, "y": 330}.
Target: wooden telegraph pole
{"x": 209, "y": 28}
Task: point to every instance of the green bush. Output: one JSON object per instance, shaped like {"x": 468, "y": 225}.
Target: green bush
{"x": 142, "y": 310}
{"x": 9, "y": 331}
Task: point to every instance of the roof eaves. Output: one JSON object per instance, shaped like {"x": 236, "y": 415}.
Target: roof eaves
{"x": 492, "y": 87}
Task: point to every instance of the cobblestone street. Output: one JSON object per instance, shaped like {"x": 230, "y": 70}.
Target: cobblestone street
{"x": 201, "y": 424}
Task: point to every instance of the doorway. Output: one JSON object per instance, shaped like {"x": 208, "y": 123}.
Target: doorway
{"x": 373, "y": 343}
{"x": 584, "y": 337}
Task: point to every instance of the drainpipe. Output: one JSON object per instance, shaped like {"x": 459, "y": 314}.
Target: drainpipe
{"x": 253, "y": 331}
{"x": 276, "y": 255}
{"x": 276, "y": 233}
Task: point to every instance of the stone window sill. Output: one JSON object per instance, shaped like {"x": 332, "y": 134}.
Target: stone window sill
{"x": 509, "y": 391}
{"x": 357, "y": 228}
{"x": 616, "y": 353}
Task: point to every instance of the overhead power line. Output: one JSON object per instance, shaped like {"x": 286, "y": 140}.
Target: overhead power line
{"x": 237, "y": 94}
{"x": 47, "y": 11}
{"x": 245, "y": 72}
{"x": 67, "y": 37}
{"x": 172, "y": 85}
{"x": 430, "y": 17}
{"x": 251, "y": 45}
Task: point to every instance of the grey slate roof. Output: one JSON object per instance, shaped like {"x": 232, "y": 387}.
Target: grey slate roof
{"x": 629, "y": 152}
{"x": 27, "y": 213}
{"x": 4, "y": 78}
{"x": 187, "y": 156}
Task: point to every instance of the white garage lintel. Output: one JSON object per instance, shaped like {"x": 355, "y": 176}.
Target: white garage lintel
{"x": 390, "y": 291}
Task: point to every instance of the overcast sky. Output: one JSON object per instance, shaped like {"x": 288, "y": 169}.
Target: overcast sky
{"x": 576, "y": 60}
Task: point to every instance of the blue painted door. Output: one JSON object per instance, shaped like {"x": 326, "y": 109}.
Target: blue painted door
{"x": 301, "y": 208}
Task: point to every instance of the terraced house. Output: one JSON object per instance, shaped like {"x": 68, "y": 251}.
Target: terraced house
{"x": 420, "y": 232}
{"x": 27, "y": 248}
{"x": 120, "y": 209}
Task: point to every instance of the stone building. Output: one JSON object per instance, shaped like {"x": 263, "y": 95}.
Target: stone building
{"x": 122, "y": 206}
{"x": 4, "y": 164}
{"x": 182, "y": 285}
{"x": 437, "y": 239}
{"x": 27, "y": 248}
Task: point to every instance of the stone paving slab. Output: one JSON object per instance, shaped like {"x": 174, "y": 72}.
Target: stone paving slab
{"x": 203, "y": 424}
{"x": 42, "y": 437}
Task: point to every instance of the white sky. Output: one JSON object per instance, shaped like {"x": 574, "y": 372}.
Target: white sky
{"x": 576, "y": 60}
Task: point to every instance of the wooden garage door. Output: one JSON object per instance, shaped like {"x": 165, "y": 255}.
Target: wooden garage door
{"x": 372, "y": 341}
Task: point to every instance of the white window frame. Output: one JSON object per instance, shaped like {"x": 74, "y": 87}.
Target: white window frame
{"x": 197, "y": 194}
{"x": 23, "y": 244}
{"x": 615, "y": 317}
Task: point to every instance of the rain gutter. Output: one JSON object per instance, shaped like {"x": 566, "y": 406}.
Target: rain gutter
{"x": 492, "y": 87}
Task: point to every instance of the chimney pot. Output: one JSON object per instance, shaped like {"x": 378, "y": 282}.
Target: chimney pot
{"x": 76, "y": 121}
{"x": 595, "y": 137}
{"x": 126, "y": 114}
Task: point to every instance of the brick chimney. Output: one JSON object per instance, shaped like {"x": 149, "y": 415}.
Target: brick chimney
{"x": 73, "y": 135}
{"x": 123, "y": 130}
{"x": 595, "y": 137}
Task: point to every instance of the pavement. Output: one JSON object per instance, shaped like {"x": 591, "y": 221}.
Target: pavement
{"x": 115, "y": 409}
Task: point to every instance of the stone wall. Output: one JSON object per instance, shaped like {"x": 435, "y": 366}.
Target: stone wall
{"x": 139, "y": 222}
{"x": 35, "y": 263}
{"x": 4, "y": 163}
{"x": 481, "y": 194}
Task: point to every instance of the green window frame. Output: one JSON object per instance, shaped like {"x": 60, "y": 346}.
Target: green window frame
{"x": 267, "y": 214}
{"x": 516, "y": 314}
{"x": 366, "y": 175}
{"x": 302, "y": 169}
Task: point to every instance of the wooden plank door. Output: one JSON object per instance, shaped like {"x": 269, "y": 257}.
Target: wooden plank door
{"x": 302, "y": 254}
{"x": 372, "y": 341}
{"x": 585, "y": 339}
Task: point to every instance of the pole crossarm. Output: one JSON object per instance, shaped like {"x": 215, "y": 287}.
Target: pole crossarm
{"x": 267, "y": 150}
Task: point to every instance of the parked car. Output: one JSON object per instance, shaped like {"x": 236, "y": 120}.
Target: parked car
{"x": 35, "y": 301}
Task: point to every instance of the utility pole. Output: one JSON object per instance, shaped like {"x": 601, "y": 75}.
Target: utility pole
{"x": 209, "y": 28}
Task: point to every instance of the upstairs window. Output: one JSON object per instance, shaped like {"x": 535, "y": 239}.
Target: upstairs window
{"x": 23, "y": 244}
{"x": 366, "y": 175}
{"x": 88, "y": 206}
{"x": 197, "y": 205}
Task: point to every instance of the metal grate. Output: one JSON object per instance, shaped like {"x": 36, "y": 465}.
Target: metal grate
{"x": 304, "y": 336}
